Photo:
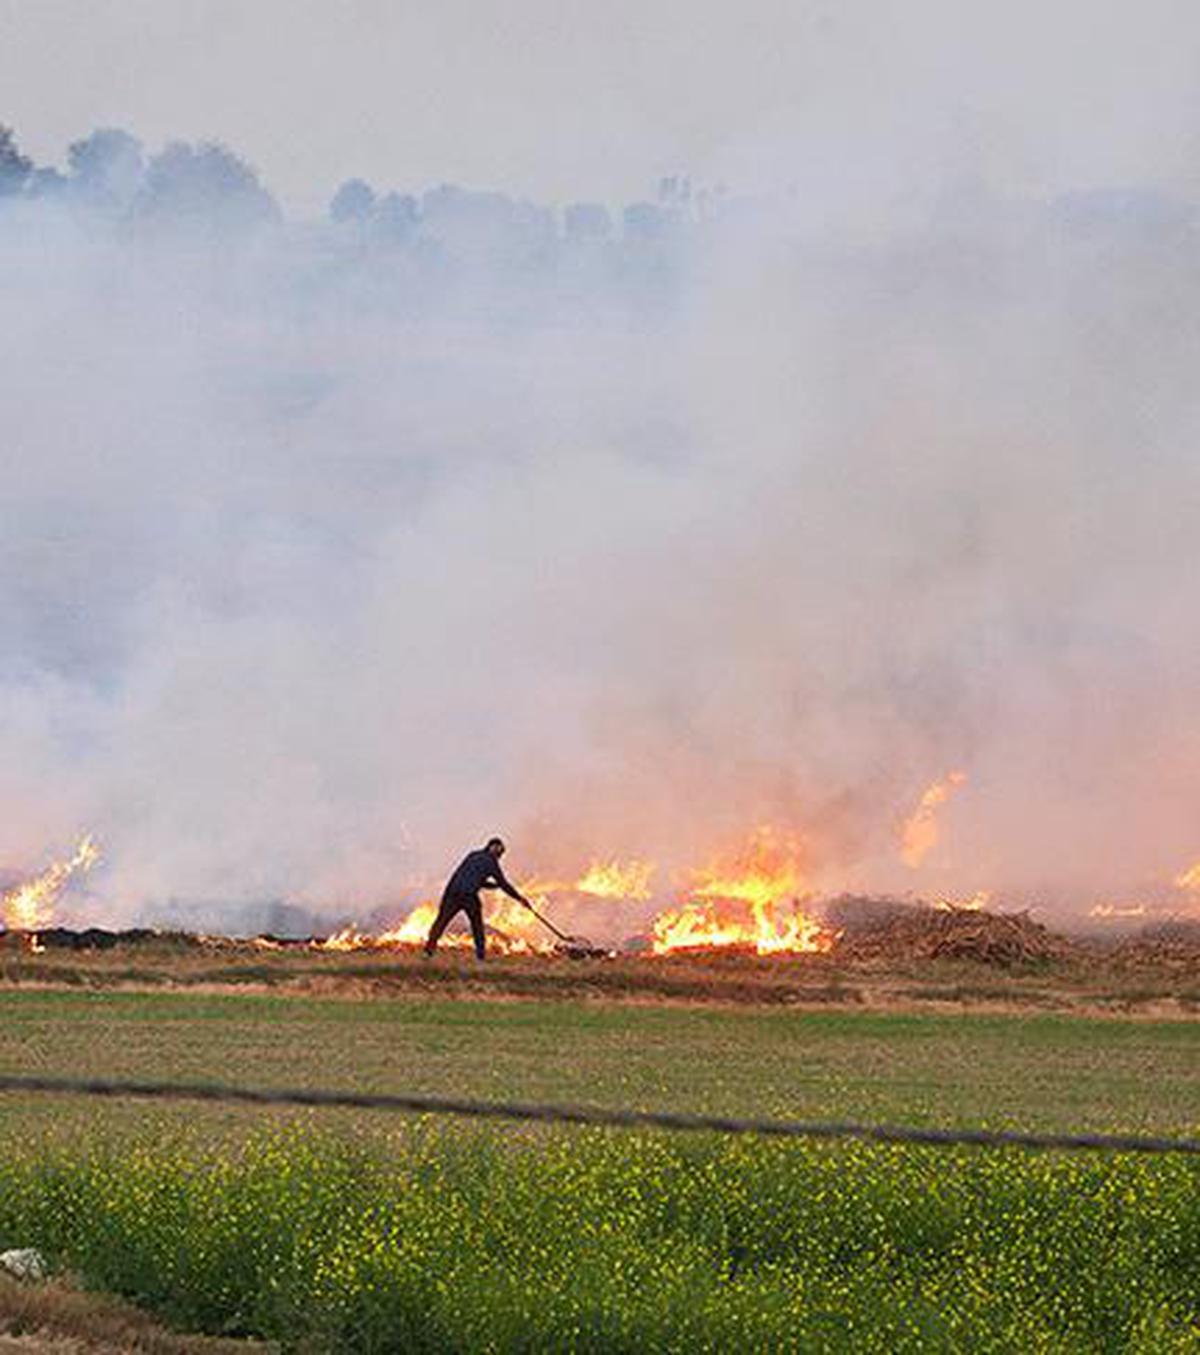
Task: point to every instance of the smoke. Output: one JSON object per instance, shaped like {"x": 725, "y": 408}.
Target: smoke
{"x": 333, "y": 547}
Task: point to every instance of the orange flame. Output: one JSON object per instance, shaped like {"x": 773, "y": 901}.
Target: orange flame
{"x": 919, "y": 834}
{"x": 1190, "y": 879}
{"x": 762, "y": 927}
{"x": 512, "y": 929}
{"x": 349, "y": 938}
{"x": 412, "y": 931}
{"x": 740, "y": 902}
{"x": 31, "y": 905}
{"x": 612, "y": 880}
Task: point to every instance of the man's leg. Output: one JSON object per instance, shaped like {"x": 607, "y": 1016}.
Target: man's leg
{"x": 445, "y": 914}
{"x": 474, "y": 912}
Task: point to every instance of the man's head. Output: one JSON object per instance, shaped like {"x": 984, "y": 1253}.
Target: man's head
{"x": 495, "y": 845}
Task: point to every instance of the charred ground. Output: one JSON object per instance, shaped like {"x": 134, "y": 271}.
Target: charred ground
{"x": 885, "y": 957}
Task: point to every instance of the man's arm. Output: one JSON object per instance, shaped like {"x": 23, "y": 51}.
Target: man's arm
{"x": 501, "y": 881}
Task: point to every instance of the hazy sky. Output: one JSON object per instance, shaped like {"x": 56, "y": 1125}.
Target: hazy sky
{"x": 561, "y": 99}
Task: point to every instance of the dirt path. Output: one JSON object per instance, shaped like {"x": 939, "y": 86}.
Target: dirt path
{"x": 54, "y": 1319}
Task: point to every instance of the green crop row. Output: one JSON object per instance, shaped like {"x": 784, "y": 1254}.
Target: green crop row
{"x": 447, "y": 1239}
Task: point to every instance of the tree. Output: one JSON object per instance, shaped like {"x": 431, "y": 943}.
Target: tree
{"x": 354, "y": 201}
{"x": 107, "y": 166}
{"x": 644, "y": 221}
{"x": 45, "y": 182}
{"x": 14, "y": 167}
{"x": 587, "y": 221}
{"x": 396, "y": 216}
{"x": 204, "y": 187}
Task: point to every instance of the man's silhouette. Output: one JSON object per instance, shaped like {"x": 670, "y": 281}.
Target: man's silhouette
{"x": 478, "y": 870}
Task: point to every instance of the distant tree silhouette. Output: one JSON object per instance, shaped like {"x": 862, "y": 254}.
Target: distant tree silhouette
{"x": 204, "y": 187}
{"x": 587, "y": 221}
{"x": 354, "y": 201}
{"x": 449, "y": 231}
{"x": 485, "y": 226}
{"x": 644, "y": 221}
{"x": 15, "y": 168}
{"x": 107, "y": 167}
{"x": 45, "y": 182}
{"x": 396, "y": 216}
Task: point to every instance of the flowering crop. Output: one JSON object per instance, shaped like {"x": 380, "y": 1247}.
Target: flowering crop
{"x": 447, "y": 1238}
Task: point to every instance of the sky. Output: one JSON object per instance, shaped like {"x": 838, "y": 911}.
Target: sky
{"x": 563, "y": 100}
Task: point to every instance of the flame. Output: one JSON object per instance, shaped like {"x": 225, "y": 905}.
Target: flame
{"x": 31, "y": 905}
{"x": 765, "y": 928}
{"x": 749, "y": 899}
{"x": 764, "y": 871}
{"x": 740, "y": 902}
{"x": 512, "y": 929}
{"x": 515, "y": 930}
{"x": 612, "y": 880}
{"x": 976, "y": 903}
{"x": 349, "y": 938}
{"x": 1190, "y": 879}
{"x": 919, "y": 834}
{"x": 412, "y": 931}
{"x": 415, "y": 928}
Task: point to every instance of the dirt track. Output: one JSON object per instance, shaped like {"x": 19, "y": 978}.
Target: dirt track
{"x": 55, "y": 1319}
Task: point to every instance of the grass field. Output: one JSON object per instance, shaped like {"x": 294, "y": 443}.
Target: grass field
{"x": 360, "y": 1231}
{"x": 1036, "y": 1070}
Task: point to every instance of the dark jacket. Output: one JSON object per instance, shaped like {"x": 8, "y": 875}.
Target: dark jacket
{"x": 478, "y": 870}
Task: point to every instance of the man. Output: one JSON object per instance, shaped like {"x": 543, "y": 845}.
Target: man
{"x": 479, "y": 870}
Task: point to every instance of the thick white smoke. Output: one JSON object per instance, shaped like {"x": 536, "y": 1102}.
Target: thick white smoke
{"x": 327, "y": 554}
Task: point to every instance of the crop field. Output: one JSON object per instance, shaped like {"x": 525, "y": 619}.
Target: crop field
{"x": 340, "y": 1230}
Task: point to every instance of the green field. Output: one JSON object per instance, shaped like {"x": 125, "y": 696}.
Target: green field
{"x": 361, "y": 1231}
{"x": 1038, "y": 1071}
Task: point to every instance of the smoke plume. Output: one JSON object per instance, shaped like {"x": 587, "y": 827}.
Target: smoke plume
{"x": 332, "y": 547}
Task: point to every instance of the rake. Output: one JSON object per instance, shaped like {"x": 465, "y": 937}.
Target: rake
{"x": 577, "y": 947}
